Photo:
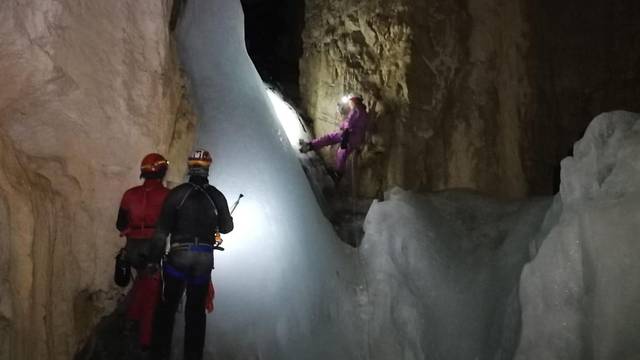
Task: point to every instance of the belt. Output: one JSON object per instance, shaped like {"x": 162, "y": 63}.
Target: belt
{"x": 138, "y": 227}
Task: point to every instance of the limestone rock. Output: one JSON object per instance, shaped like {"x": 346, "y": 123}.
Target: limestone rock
{"x": 481, "y": 94}
{"x": 88, "y": 89}
{"x": 444, "y": 82}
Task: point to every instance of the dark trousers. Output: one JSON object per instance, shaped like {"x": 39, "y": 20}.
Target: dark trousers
{"x": 195, "y": 319}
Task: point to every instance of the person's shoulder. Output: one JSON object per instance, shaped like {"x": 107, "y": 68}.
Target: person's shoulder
{"x": 180, "y": 188}
{"x": 132, "y": 190}
{"x": 214, "y": 190}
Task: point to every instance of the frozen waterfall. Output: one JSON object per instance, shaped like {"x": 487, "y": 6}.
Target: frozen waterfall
{"x": 277, "y": 288}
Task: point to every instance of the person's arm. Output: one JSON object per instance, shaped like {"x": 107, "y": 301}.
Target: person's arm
{"x": 164, "y": 226}
{"x": 225, "y": 221}
{"x": 123, "y": 215}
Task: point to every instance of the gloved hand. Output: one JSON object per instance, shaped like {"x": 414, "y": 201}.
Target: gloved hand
{"x": 344, "y": 142}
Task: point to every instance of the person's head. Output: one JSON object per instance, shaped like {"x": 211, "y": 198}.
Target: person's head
{"x": 343, "y": 108}
{"x": 153, "y": 166}
{"x": 199, "y": 162}
{"x": 355, "y": 100}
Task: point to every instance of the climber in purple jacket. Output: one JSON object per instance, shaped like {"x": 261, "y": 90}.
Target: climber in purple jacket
{"x": 350, "y": 137}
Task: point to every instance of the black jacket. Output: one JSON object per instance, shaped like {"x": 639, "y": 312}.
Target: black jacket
{"x": 192, "y": 210}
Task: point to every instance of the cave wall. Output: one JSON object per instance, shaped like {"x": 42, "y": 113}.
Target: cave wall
{"x": 481, "y": 94}
{"x": 447, "y": 85}
{"x": 88, "y": 89}
{"x": 363, "y": 47}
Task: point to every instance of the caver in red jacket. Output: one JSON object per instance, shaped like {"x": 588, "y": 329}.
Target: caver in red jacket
{"x": 139, "y": 211}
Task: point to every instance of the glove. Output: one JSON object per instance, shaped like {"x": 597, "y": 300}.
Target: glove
{"x": 344, "y": 142}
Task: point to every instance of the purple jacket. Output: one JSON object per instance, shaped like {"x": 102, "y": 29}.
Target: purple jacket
{"x": 356, "y": 123}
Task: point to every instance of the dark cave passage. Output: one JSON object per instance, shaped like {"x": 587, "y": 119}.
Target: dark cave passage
{"x": 273, "y": 35}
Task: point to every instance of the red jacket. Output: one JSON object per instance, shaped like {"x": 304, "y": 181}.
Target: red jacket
{"x": 140, "y": 209}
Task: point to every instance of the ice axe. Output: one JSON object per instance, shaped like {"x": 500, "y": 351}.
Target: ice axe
{"x": 235, "y": 204}
{"x": 217, "y": 237}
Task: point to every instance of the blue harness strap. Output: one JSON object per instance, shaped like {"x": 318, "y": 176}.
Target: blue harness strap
{"x": 177, "y": 274}
{"x": 194, "y": 280}
{"x": 201, "y": 248}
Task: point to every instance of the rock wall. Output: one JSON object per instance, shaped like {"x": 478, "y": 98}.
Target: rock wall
{"x": 481, "y": 94}
{"x": 88, "y": 89}
{"x": 446, "y": 83}
{"x": 357, "y": 46}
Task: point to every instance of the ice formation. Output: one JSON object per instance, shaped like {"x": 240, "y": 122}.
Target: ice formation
{"x": 277, "y": 294}
{"x": 442, "y": 273}
{"x": 581, "y": 293}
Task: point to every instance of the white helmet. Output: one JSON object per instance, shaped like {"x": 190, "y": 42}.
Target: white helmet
{"x": 351, "y": 96}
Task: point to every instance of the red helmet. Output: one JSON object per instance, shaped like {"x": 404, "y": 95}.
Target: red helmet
{"x": 200, "y": 158}
{"x": 153, "y": 165}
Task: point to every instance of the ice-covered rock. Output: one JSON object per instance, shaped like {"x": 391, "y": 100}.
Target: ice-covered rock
{"x": 581, "y": 293}
{"x": 442, "y": 273}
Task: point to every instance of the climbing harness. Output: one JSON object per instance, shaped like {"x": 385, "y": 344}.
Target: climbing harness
{"x": 194, "y": 245}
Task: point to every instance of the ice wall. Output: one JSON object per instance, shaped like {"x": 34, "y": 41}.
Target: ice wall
{"x": 277, "y": 283}
{"x": 442, "y": 273}
{"x": 581, "y": 293}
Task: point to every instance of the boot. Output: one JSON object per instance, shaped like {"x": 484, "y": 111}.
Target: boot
{"x": 305, "y": 147}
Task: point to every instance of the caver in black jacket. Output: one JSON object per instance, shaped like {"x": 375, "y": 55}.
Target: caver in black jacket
{"x": 192, "y": 211}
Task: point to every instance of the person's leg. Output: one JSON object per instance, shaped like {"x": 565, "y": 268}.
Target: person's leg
{"x": 195, "y": 321}
{"x": 150, "y": 287}
{"x": 133, "y": 249}
{"x": 133, "y": 299}
{"x": 341, "y": 159}
{"x": 326, "y": 140}
{"x": 165, "y": 316}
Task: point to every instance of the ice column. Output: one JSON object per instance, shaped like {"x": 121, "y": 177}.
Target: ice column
{"x": 277, "y": 283}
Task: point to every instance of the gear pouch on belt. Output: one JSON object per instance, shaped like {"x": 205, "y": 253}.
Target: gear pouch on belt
{"x": 122, "y": 270}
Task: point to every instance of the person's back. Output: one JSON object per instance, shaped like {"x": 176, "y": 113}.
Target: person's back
{"x": 141, "y": 206}
{"x": 192, "y": 214}
{"x": 196, "y": 212}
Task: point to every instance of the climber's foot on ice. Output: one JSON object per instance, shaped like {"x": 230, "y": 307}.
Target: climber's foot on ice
{"x": 305, "y": 147}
